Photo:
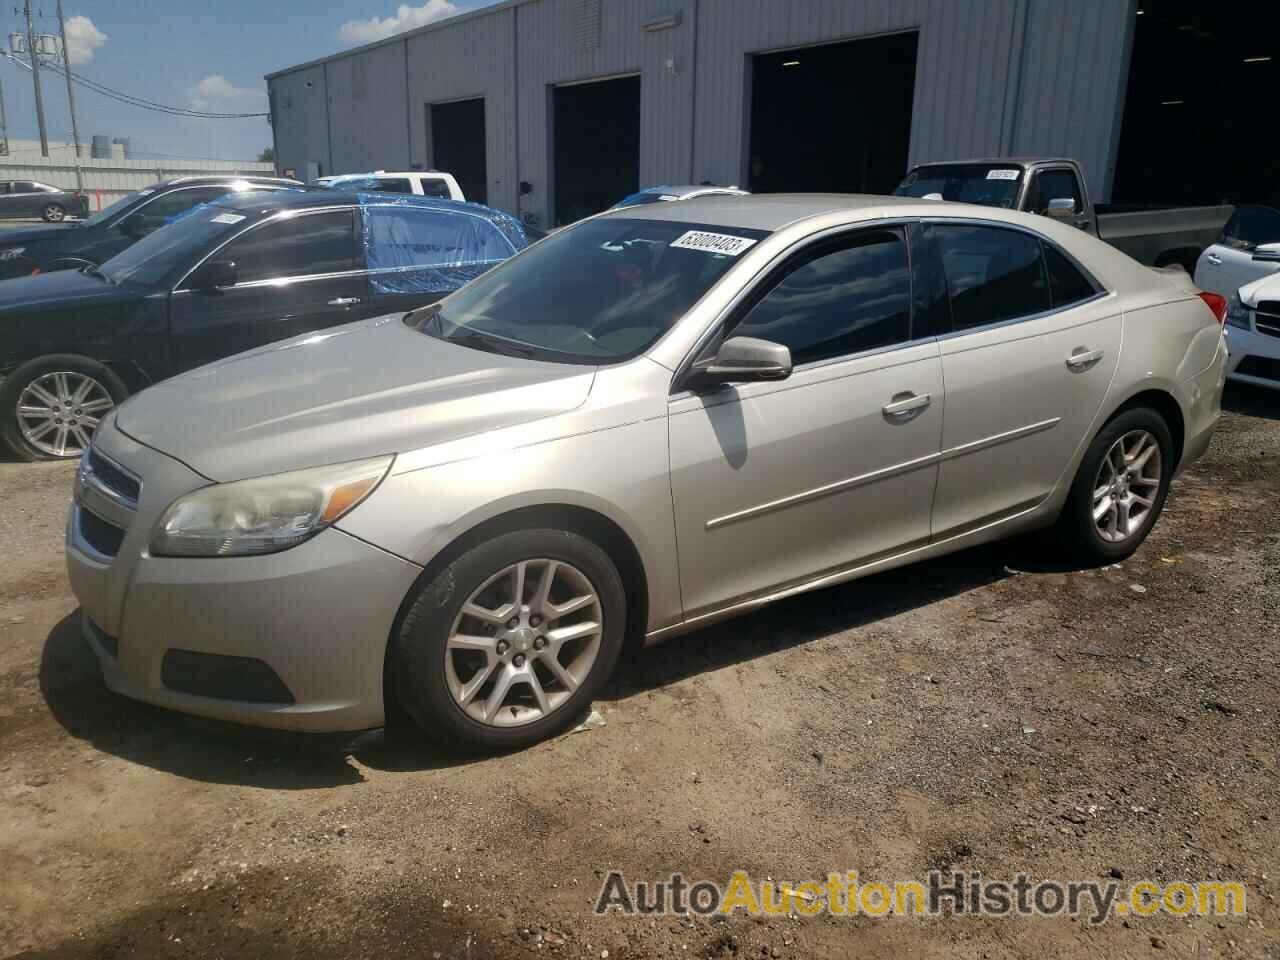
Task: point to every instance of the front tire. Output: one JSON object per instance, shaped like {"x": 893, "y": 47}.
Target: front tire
{"x": 54, "y": 213}
{"x": 511, "y": 641}
{"x": 1120, "y": 488}
{"x": 50, "y": 406}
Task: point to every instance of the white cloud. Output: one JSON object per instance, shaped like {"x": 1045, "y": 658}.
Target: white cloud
{"x": 83, "y": 38}
{"x": 218, "y": 94}
{"x": 406, "y": 18}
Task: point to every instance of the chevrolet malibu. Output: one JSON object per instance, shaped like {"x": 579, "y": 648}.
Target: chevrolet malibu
{"x": 654, "y": 419}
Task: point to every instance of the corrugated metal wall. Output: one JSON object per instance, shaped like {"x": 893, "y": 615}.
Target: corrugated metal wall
{"x": 993, "y": 77}
{"x": 368, "y": 92}
{"x": 302, "y": 120}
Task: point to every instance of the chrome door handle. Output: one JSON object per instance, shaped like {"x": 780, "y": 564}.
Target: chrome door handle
{"x": 343, "y": 301}
{"x": 1081, "y": 358}
{"x": 1214, "y": 259}
{"x": 905, "y": 403}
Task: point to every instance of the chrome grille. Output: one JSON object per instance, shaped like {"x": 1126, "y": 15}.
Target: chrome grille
{"x": 111, "y": 478}
{"x": 1267, "y": 318}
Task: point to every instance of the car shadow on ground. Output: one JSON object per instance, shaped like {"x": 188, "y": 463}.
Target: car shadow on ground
{"x": 1251, "y": 400}
{"x": 219, "y": 752}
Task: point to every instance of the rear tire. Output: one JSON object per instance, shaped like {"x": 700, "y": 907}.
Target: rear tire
{"x": 54, "y": 213}
{"x": 1119, "y": 489}
{"x": 35, "y": 385}
{"x": 478, "y": 684}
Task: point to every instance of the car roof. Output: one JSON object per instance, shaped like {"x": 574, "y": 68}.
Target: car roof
{"x": 301, "y": 197}
{"x": 996, "y": 161}
{"x": 772, "y": 211}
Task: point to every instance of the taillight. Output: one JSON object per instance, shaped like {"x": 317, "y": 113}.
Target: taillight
{"x": 1217, "y": 303}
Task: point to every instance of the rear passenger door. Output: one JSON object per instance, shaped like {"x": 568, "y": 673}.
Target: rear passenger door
{"x": 417, "y": 255}
{"x": 295, "y": 274}
{"x": 1029, "y": 346}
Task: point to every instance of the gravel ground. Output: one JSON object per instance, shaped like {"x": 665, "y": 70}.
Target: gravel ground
{"x": 986, "y": 712}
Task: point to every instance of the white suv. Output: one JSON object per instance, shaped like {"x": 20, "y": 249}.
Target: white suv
{"x": 430, "y": 183}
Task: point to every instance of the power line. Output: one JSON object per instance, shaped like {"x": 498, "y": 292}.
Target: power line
{"x": 145, "y": 104}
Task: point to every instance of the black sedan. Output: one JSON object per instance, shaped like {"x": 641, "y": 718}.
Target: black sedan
{"x": 72, "y": 245}
{"x": 240, "y": 272}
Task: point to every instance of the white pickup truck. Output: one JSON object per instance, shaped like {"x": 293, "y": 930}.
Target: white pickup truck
{"x": 422, "y": 183}
{"x": 1054, "y": 187}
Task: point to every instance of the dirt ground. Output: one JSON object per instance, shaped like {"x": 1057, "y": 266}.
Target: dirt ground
{"x": 985, "y": 713}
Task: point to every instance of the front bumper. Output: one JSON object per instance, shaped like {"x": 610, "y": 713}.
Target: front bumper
{"x": 294, "y": 640}
{"x": 1254, "y": 357}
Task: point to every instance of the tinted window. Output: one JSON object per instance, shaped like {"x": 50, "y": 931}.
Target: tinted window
{"x": 411, "y": 237}
{"x": 174, "y": 249}
{"x": 1054, "y": 185}
{"x": 1250, "y": 226}
{"x": 306, "y": 244}
{"x": 24, "y": 186}
{"x": 992, "y": 274}
{"x": 395, "y": 185}
{"x": 1067, "y": 284}
{"x": 5, "y": 187}
{"x": 839, "y": 299}
{"x": 599, "y": 291}
{"x": 435, "y": 188}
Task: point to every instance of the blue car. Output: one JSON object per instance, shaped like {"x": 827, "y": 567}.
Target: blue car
{"x": 236, "y": 273}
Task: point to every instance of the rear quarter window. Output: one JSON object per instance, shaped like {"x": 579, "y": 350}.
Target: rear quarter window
{"x": 993, "y": 274}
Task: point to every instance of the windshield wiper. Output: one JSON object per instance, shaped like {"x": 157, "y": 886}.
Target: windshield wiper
{"x": 93, "y": 271}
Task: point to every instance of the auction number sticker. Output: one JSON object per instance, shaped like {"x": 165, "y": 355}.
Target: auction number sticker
{"x": 1003, "y": 174}
{"x": 724, "y": 243}
{"x": 228, "y": 218}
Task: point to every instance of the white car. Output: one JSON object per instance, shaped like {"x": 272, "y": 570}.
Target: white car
{"x": 1248, "y": 248}
{"x": 422, "y": 183}
{"x": 1253, "y": 333}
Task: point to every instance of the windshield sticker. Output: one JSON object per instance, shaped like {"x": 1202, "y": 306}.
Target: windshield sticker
{"x": 1003, "y": 174}
{"x": 227, "y": 218}
{"x": 712, "y": 243}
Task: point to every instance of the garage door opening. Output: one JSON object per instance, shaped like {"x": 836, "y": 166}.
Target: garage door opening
{"x": 458, "y": 145}
{"x": 596, "y": 137}
{"x": 833, "y": 118}
{"x": 1195, "y": 126}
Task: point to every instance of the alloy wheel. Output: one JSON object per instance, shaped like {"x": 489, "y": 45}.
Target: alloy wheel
{"x": 523, "y": 643}
{"x": 53, "y": 213}
{"x": 1126, "y": 487}
{"x": 58, "y": 412}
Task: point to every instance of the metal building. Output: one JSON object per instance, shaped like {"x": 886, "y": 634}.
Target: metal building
{"x": 553, "y": 108}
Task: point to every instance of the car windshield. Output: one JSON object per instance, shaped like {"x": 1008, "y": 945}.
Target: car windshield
{"x": 598, "y": 292}
{"x": 120, "y": 206}
{"x": 990, "y": 184}
{"x": 155, "y": 255}
{"x": 1250, "y": 226}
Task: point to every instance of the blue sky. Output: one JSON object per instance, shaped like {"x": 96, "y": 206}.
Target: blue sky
{"x": 192, "y": 53}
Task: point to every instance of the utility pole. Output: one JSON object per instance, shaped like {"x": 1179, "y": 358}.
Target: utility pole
{"x": 71, "y": 89}
{"x": 35, "y": 78}
{"x": 4, "y": 126}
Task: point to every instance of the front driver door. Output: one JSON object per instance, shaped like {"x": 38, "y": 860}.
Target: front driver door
{"x": 296, "y": 273}
{"x": 778, "y": 483}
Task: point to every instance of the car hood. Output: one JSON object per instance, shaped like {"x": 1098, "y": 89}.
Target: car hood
{"x": 28, "y": 235}
{"x": 1264, "y": 288}
{"x": 60, "y": 290}
{"x": 355, "y": 391}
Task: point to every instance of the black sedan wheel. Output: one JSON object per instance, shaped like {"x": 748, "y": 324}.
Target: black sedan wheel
{"x": 50, "y": 407}
{"x": 54, "y": 213}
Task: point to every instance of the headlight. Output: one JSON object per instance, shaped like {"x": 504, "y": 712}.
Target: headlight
{"x": 1238, "y": 314}
{"x": 12, "y": 253}
{"x": 266, "y": 514}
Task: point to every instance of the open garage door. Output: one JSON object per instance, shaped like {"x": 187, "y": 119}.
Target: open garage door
{"x": 1201, "y": 105}
{"x": 458, "y": 145}
{"x": 596, "y": 153}
{"x": 835, "y": 117}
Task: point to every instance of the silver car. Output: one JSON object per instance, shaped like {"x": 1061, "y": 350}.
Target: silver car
{"x": 654, "y": 419}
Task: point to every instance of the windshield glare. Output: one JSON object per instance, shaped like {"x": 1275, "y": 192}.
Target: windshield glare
{"x": 172, "y": 246}
{"x": 990, "y": 184}
{"x": 598, "y": 292}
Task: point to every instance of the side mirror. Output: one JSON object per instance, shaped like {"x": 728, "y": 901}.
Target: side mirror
{"x": 1061, "y": 208}
{"x": 747, "y": 360}
{"x": 214, "y": 274}
{"x": 1267, "y": 253}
